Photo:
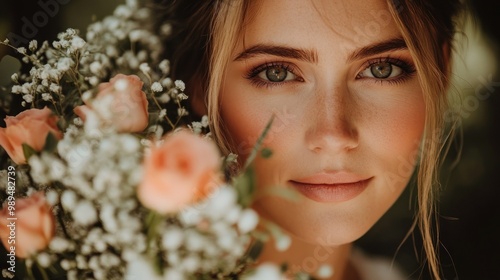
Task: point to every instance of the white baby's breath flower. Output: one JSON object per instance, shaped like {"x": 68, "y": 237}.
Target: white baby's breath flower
{"x": 57, "y": 169}
{"x": 141, "y": 268}
{"x": 77, "y": 43}
{"x": 81, "y": 262}
{"x": 78, "y": 121}
{"x": 43, "y": 259}
{"x": 266, "y": 271}
{"x": 17, "y": 89}
{"x": 6, "y": 41}
{"x": 100, "y": 245}
{"x": 164, "y": 98}
{"x": 248, "y": 221}
{"x": 38, "y": 170}
{"x": 180, "y": 85}
{"x": 325, "y": 271}
{"x": 52, "y": 197}
{"x": 162, "y": 113}
{"x": 172, "y": 239}
{"x": 156, "y": 87}
{"x": 223, "y": 199}
{"x": 283, "y": 243}
{"x": 108, "y": 218}
{"x": 67, "y": 264}
{"x": 182, "y": 96}
{"x": 166, "y": 29}
{"x": 21, "y": 50}
{"x": 182, "y": 112}
{"x": 95, "y": 67}
{"x": 56, "y": 44}
{"x": 28, "y": 98}
{"x": 167, "y": 82}
{"x": 46, "y": 96}
{"x": 173, "y": 273}
{"x": 204, "y": 121}
{"x": 191, "y": 263}
{"x": 55, "y": 88}
{"x": 196, "y": 127}
{"x": 84, "y": 213}
{"x": 135, "y": 35}
{"x": 14, "y": 77}
{"x": 123, "y": 11}
{"x": 59, "y": 244}
{"x": 144, "y": 67}
{"x": 194, "y": 241}
{"x": 64, "y": 64}
{"x": 164, "y": 66}
{"x": 93, "y": 81}
{"x": 132, "y": 3}
{"x": 233, "y": 215}
{"x": 72, "y": 275}
{"x": 68, "y": 199}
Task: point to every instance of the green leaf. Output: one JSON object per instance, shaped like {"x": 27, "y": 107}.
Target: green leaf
{"x": 28, "y": 151}
{"x": 258, "y": 144}
{"x": 266, "y": 153}
{"x": 245, "y": 187}
{"x": 255, "y": 249}
{"x": 50, "y": 143}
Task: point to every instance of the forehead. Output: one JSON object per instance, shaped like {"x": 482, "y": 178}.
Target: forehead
{"x": 335, "y": 24}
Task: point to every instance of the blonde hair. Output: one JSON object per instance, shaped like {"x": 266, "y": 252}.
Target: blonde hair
{"x": 427, "y": 28}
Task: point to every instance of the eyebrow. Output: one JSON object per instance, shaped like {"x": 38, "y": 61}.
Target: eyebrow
{"x": 377, "y": 48}
{"x": 312, "y": 56}
{"x": 283, "y": 51}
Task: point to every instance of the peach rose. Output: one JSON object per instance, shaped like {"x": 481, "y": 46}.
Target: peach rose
{"x": 129, "y": 107}
{"x": 30, "y": 127}
{"x": 34, "y": 227}
{"x": 183, "y": 170}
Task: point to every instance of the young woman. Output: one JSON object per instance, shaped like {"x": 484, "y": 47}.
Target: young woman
{"x": 358, "y": 91}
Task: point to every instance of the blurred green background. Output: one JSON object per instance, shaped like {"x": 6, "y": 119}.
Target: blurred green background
{"x": 470, "y": 197}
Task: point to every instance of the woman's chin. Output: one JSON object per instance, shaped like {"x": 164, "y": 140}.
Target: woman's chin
{"x": 315, "y": 229}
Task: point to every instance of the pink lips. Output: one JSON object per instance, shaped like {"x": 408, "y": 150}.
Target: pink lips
{"x": 331, "y": 187}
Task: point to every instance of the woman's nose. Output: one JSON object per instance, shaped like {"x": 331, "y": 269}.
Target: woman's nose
{"x": 331, "y": 125}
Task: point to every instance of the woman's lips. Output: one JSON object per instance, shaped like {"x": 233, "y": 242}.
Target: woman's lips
{"x": 336, "y": 187}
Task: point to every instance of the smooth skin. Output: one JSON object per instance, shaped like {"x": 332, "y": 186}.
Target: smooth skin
{"x": 342, "y": 85}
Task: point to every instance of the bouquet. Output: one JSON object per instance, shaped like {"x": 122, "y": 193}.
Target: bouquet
{"x": 107, "y": 179}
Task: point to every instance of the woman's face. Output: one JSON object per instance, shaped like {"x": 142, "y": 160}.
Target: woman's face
{"x": 349, "y": 112}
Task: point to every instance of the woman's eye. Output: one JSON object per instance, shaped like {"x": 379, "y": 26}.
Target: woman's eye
{"x": 382, "y": 70}
{"x": 276, "y": 74}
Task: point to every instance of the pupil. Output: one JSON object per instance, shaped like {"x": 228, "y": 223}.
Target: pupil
{"x": 381, "y": 70}
{"x": 276, "y": 74}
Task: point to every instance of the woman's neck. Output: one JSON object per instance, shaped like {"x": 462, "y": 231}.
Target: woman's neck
{"x": 309, "y": 258}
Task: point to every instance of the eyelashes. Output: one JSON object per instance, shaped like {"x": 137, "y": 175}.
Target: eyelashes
{"x": 272, "y": 74}
{"x": 375, "y": 67}
{"x": 379, "y": 70}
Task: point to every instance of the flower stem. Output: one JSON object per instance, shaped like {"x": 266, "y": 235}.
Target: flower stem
{"x": 152, "y": 222}
{"x": 42, "y": 271}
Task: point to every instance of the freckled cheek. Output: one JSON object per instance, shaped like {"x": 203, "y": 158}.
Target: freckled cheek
{"x": 396, "y": 134}
{"x": 244, "y": 118}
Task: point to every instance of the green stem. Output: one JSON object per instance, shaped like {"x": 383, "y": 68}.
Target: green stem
{"x": 42, "y": 271}
{"x": 152, "y": 222}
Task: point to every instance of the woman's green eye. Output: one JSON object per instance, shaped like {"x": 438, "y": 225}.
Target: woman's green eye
{"x": 276, "y": 74}
{"x": 382, "y": 70}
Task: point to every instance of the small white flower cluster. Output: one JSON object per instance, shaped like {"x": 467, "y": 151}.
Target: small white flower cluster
{"x": 100, "y": 172}
{"x": 121, "y": 43}
{"x": 91, "y": 177}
